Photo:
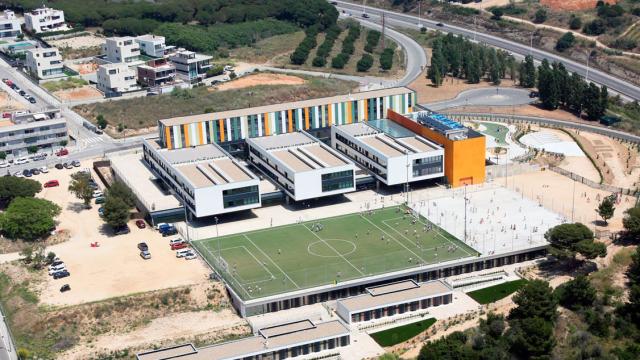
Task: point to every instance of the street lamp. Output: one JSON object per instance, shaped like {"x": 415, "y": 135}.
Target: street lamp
{"x": 218, "y": 237}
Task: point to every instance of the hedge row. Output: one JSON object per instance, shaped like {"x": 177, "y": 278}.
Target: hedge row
{"x": 373, "y": 38}
{"x": 301, "y": 53}
{"x": 348, "y": 47}
{"x": 325, "y": 48}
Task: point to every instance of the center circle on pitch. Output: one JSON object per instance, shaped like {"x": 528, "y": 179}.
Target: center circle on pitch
{"x": 325, "y": 248}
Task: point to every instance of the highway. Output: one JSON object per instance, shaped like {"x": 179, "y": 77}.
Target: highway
{"x": 624, "y": 88}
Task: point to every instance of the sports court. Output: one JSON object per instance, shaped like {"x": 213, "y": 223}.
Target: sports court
{"x": 329, "y": 251}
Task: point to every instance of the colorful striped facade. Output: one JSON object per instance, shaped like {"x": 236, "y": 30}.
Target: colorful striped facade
{"x": 283, "y": 118}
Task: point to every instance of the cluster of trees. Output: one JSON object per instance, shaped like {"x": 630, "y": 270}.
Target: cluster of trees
{"x": 460, "y": 58}
{"x": 565, "y": 42}
{"x": 118, "y": 201}
{"x": 348, "y": 47}
{"x": 529, "y": 334}
{"x": 373, "y": 38}
{"x": 631, "y": 222}
{"x": 609, "y": 16}
{"x": 301, "y": 53}
{"x": 324, "y": 49}
{"x": 25, "y": 217}
{"x": 568, "y": 240}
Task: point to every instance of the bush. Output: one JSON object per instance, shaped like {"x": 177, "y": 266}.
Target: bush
{"x": 497, "y": 13}
{"x": 373, "y": 38}
{"x": 625, "y": 44}
{"x": 540, "y": 16}
{"x": 595, "y": 27}
{"x": 386, "y": 59}
{"x": 575, "y": 22}
{"x": 101, "y": 121}
{"x": 565, "y": 42}
{"x": 215, "y": 70}
{"x": 319, "y": 61}
{"x": 301, "y": 53}
{"x": 339, "y": 61}
{"x": 365, "y": 63}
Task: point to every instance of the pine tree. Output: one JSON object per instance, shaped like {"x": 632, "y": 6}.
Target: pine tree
{"x": 528, "y": 72}
{"x": 606, "y": 209}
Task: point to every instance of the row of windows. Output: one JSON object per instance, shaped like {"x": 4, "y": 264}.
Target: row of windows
{"x": 401, "y": 308}
{"x": 337, "y": 180}
{"x": 240, "y": 196}
{"x": 302, "y": 349}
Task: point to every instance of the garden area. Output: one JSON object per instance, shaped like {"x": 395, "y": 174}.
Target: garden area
{"x": 496, "y": 292}
{"x": 400, "y": 334}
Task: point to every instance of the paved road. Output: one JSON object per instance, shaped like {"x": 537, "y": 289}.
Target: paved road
{"x": 616, "y": 84}
{"x": 490, "y": 96}
{"x": 7, "y": 351}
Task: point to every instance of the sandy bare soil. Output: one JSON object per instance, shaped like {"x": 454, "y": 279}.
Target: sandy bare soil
{"x": 115, "y": 267}
{"x": 573, "y": 4}
{"x": 620, "y": 161}
{"x": 84, "y": 68}
{"x": 261, "y": 79}
{"x": 450, "y": 89}
{"x": 485, "y": 4}
{"x": 580, "y": 165}
{"x": 79, "y": 42}
{"x": 7, "y": 103}
{"x": 82, "y": 93}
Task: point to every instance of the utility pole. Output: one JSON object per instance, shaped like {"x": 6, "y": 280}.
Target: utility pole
{"x": 383, "y": 27}
{"x": 420, "y": 14}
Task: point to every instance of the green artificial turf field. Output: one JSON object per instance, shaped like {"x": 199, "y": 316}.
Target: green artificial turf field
{"x": 328, "y": 251}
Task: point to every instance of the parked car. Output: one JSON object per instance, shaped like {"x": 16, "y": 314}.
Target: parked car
{"x": 65, "y": 288}
{"x": 75, "y": 163}
{"x": 56, "y": 263}
{"x": 32, "y": 100}
{"x": 61, "y": 274}
{"x": 51, "y": 183}
{"x": 44, "y": 169}
{"x": 97, "y": 194}
{"x": 145, "y": 255}
{"x": 365, "y": 15}
{"x": 27, "y": 173}
{"x": 170, "y": 231}
{"x": 59, "y": 166}
{"x": 140, "y": 224}
{"x": 143, "y": 246}
{"x": 62, "y": 152}
{"x": 57, "y": 268}
{"x": 121, "y": 230}
{"x": 100, "y": 200}
{"x": 160, "y": 226}
{"x": 178, "y": 246}
{"x": 67, "y": 166}
{"x": 183, "y": 252}
{"x": 101, "y": 211}
{"x": 35, "y": 171}
{"x": 440, "y": 24}
{"x": 18, "y": 174}
{"x": 4, "y": 164}
{"x": 20, "y": 161}
{"x": 175, "y": 241}
{"x": 22, "y": 92}
{"x": 190, "y": 256}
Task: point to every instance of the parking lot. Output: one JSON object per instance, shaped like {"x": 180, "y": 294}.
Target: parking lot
{"x": 114, "y": 268}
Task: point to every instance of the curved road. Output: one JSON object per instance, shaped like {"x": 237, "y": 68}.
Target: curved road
{"x": 488, "y": 96}
{"x": 616, "y": 84}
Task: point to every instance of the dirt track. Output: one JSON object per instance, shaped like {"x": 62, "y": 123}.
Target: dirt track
{"x": 261, "y": 79}
{"x": 573, "y": 4}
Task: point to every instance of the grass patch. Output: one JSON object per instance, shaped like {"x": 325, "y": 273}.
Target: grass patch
{"x": 146, "y": 111}
{"x": 499, "y": 132}
{"x": 265, "y": 49}
{"x": 602, "y": 279}
{"x": 69, "y": 83}
{"x": 496, "y": 292}
{"x": 402, "y": 333}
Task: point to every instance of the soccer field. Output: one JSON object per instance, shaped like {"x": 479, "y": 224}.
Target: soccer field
{"x": 328, "y": 251}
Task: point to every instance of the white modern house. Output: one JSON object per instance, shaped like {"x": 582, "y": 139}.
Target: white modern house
{"x": 190, "y": 66}
{"x": 44, "y": 63}
{"x": 391, "y": 160}
{"x": 208, "y": 179}
{"x": 116, "y": 78}
{"x": 9, "y": 25}
{"x": 152, "y": 45}
{"x": 122, "y": 50}
{"x": 302, "y": 166}
{"x": 45, "y": 19}
{"x": 23, "y": 130}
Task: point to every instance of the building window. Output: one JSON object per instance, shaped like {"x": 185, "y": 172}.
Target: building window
{"x": 240, "y": 196}
{"x": 337, "y": 180}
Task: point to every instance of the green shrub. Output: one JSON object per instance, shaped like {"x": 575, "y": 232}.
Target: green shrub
{"x": 365, "y": 63}
{"x": 386, "y": 59}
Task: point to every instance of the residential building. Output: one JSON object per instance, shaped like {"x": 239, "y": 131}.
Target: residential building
{"x": 190, "y": 66}
{"x": 308, "y": 115}
{"x": 393, "y": 160}
{"x": 116, "y": 78}
{"x": 209, "y": 180}
{"x": 121, "y": 50}
{"x": 9, "y": 25}
{"x": 296, "y": 339}
{"x": 156, "y": 72}
{"x": 302, "y": 166}
{"x": 44, "y": 63}
{"x": 23, "y": 130}
{"x": 393, "y": 299}
{"x": 152, "y": 45}
{"x": 45, "y": 19}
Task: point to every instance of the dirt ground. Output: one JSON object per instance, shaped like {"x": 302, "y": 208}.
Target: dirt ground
{"x": 84, "y": 68}
{"x": 261, "y": 79}
{"x": 528, "y": 110}
{"x": 573, "y": 4}
{"x": 485, "y": 4}
{"x": 620, "y": 160}
{"x": 82, "y": 93}
{"x": 450, "y": 89}
{"x": 115, "y": 267}
{"x": 7, "y": 103}
{"x": 79, "y": 42}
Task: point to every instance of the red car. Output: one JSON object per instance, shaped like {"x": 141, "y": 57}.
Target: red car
{"x": 178, "y": 246}
{"x": 140, "y": 224}
{"x": 62, "y": 152}
{"x": 51, "y": 183}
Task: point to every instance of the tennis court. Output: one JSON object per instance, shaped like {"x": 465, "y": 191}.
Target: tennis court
{"x": 329, "y": 251}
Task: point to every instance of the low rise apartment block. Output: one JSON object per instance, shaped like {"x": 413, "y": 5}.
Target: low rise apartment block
{"x": 9, "y": 25}
{"x": 190, "y": 66}
{"x": 23, "y": 130}
{"x": 156, "y": 72}
{"x": 44, "y": 63}
{"x": 45, "y": 19}
{"x": 121, "y": 50}
{"x": 116, "y": 78}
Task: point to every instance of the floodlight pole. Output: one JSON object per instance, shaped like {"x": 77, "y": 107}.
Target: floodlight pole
{"x": 218, "y": 237}
{"x": 573, "y": 200}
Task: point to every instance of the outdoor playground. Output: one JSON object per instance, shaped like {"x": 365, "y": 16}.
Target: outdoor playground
{"x": 328, "y": 251}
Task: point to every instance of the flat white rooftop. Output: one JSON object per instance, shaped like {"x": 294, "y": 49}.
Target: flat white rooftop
{"x": 395, "y": 293}
{"x": 269, "y": 339}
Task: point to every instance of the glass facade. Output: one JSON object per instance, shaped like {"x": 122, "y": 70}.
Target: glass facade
{"x": 427, "y": 166}
{"x": 337, "y": 180}
{"x": 240, "y": 196}
{"x": 401, "y": 308}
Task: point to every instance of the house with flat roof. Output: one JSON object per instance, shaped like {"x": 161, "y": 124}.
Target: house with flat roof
{"x": 291, "y": 340}
{"x": 152, "y": 45}
{"x": 302, "y": 166}
{"x": 205, "y": 177}
{"x": 44, "y": 19}
{"x": 393, "y": 299}
{"x": 156, "y": 72}
{"x": 44, "y": 63}
{"x": 116, "y": 78}
{"x": 122, "y": 50}
{"x": 43, "y": 130}
{"x": 9, "y": 25}
{"x": 392, "y": 160}
{"x": 190, "y": 66}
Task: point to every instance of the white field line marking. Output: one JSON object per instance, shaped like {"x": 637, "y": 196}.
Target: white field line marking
{"x": 270, "y": 259}
{"x": 394, "y": 239}
{"x": 256, "y": 259}
{"x": 228, "y": 273}
{"x": 336, "y": 251}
